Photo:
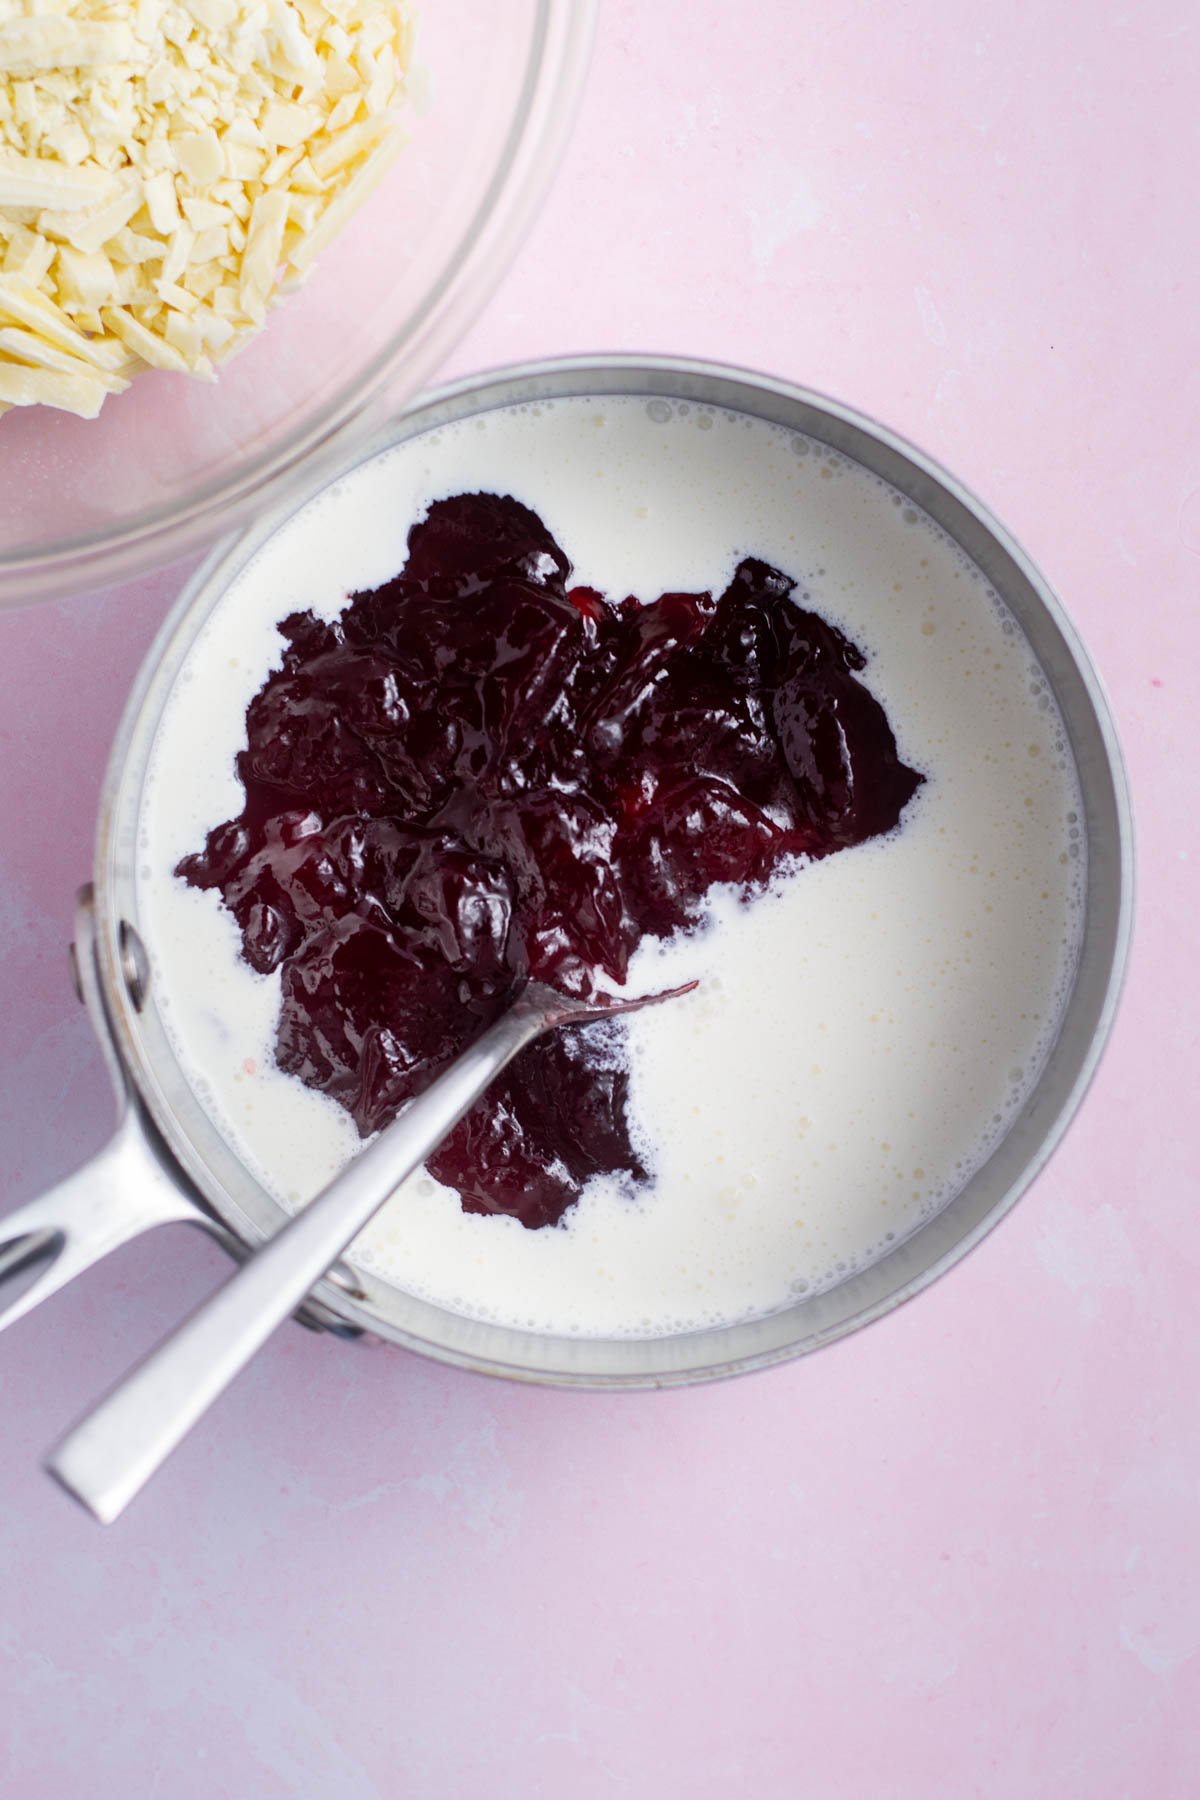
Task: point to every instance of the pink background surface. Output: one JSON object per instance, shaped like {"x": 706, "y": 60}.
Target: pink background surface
{"x": 955, "y": 1555}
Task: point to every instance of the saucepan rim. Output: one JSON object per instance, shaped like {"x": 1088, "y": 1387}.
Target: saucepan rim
{"x": 358, "y": 1299}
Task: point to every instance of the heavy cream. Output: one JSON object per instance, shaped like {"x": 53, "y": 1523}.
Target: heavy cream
{"x": 862, "y": 1033}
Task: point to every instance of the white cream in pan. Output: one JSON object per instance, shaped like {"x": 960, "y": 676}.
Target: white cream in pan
{"x": 861, "y": 1035}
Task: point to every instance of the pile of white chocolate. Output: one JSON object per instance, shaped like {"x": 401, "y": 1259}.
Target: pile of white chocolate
{"x": 169, "y": 167}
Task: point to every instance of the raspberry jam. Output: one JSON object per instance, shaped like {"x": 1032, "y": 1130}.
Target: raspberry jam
{"x": 480, "y": 773}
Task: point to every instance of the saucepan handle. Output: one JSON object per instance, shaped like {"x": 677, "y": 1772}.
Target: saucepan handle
{"x": 128, "y": 1188}
{"x": 119, "y": 1194}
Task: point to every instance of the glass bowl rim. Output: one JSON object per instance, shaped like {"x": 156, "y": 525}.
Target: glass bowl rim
{"x": 159, "y": 535}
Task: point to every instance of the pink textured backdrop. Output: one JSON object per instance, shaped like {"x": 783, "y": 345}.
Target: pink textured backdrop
{"x": 956, "y": 1555}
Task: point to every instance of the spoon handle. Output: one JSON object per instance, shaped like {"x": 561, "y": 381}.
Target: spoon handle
{"x": 107, "y": 1458}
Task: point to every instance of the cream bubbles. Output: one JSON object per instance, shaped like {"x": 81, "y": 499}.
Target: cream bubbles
{"x": 862, "y": 1033}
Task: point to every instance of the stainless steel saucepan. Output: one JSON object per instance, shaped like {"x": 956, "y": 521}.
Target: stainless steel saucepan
{"x": 167, "y": 1164}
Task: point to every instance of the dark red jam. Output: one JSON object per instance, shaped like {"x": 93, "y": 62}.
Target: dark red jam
{"x": 480, "y": 773}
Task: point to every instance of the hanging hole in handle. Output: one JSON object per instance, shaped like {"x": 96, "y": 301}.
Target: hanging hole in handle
{"x": 26, "y": 1260}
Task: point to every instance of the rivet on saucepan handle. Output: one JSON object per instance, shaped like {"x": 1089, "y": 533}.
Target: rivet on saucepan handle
{"x": 135, "y": 964}
{"x": 73, "y": 965}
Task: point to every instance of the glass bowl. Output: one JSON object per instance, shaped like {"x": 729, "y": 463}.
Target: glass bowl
{"x": 172, "y": 462}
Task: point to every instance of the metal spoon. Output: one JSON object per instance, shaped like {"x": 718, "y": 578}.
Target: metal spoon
{"x": 114, "y": 1450}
